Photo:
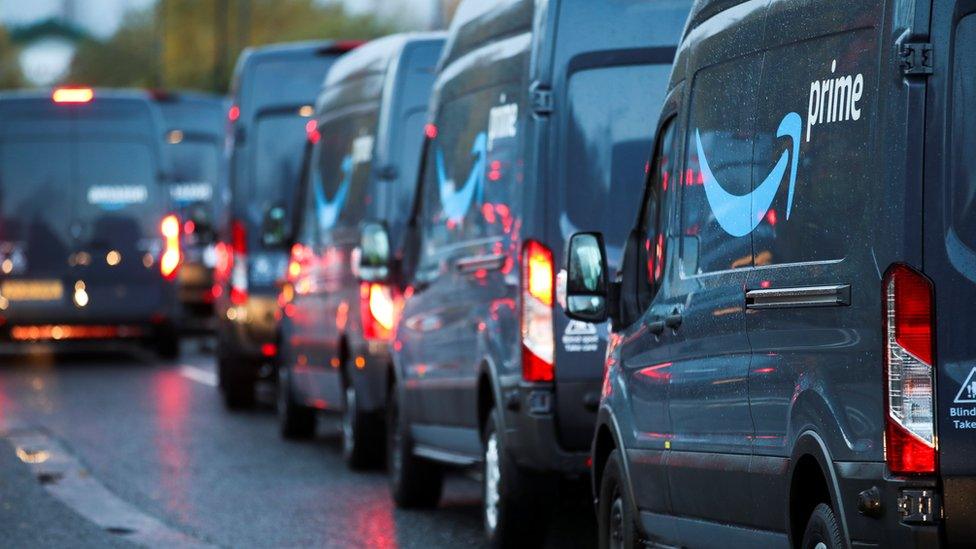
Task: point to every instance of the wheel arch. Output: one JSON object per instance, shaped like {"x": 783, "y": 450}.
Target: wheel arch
{"x": 812, "y": 480}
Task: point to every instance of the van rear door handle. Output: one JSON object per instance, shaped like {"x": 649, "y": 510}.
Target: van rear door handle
{"x": 656, "y": 327}
{"x": 476, "y": 263}
{"x": 673, "y": 321}
{"x": 837, "y": 295}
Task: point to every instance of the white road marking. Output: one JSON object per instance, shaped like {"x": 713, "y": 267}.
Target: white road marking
{"x": 193, "y": 373}
{"x": 63, "y": 476}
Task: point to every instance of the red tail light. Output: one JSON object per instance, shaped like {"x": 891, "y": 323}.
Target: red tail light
{"x": 172, "y": 257}
{"x": 378, "y": 309}
{"x": 238, "y": 270}
{"x": 538, "y": 340}
{"x": 910, "y": 441}
{"x": 72, "y": 95}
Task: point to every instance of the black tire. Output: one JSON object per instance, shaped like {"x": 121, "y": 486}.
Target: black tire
{"x": 616, "y": 523}
{"x": 296, "y": 422}
{"x": 511, "y": 495}
{"x": 167, "y": 343}
{"x": 362, "y": 433}
{"x": 236, "y": 383}
{"x": 415, "y": 483}
{"x": 823, "y": 528}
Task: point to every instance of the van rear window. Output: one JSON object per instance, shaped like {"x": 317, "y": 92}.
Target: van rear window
{"x": 963, "y": 119}
{"x": 279, "y": 141}
{"x": 118, "y": 178}
{"x": 287, "y": 82}
{"x": 610, "y": 142}
{"x": 35, "y": 189}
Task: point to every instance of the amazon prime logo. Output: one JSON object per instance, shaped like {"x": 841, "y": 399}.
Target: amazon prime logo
{"x": 831, "y": 100}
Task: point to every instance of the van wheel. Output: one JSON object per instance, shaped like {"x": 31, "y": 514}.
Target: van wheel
{"x": 362, "y": 441}
{"x": 510, "y": 495}
{"x": 295, "y": 421}
{"x": 167, "y": 343}
{"x": 414, "y": 482}
{"x": 236, "y": 385}
{"x": 617, "y": 527}
{"x": 823, "y": 530}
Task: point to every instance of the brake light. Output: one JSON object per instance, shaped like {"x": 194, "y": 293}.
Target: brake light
{"x": 910, "y": 442}
{"x": 238, "y": 270}
{"x": 233, "y": 113}
{"x": 538, "y": 341}
{"x": 312, "y": 131}
{"x": 172, "y": 257}
{"x": 378, "y": 307}
{"x": 73, "y": 95}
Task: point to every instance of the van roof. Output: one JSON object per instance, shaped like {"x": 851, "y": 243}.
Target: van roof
{"x": 111, "y": 111}
{"x": 198, "y": 112}
{"x": 100, "y": 93}
{"x": 702, "y": 10}
{"x": 291, "y": 49}
{"x": 375, "y": 56}
{"x": 478, "y": 22}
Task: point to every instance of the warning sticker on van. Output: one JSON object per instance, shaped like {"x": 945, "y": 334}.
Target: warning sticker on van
{"x": 502, "y": 123}
{"x": 964, "y": 413}
{"x": 580, "y": 337}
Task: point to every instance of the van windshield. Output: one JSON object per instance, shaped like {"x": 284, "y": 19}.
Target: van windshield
{"x": 279, "y": 140}
{"x": 614, "y": 137}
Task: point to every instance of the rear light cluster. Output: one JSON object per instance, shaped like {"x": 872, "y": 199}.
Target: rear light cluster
{"x": 238, "y": 264}
{"x": 910, "y": 441}
{"x": 172, "y": 256}
{"x": 538, "y": 288}
{"x": 378, "y": 310}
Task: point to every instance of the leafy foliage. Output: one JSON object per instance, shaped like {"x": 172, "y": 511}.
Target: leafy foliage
{"x": 10, "y": 75}
{"x": 193, "y": 43}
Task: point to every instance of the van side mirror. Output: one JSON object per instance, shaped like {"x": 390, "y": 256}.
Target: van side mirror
{"x": 375, "y": 258}
{"x": 274, "y": 230}
{"x": 587, "y": 285}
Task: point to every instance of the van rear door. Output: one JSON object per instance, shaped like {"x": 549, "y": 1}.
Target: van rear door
{"x": 118, "y": 208}
{"x": 950, "y": 254}
{"x": 35, "y": 201}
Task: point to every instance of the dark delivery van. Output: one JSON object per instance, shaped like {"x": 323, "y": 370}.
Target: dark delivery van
{"x": 793, "y": 360}
{"x": 274, "y": 90}
{"x": 194, "y": 133}
{"x": 363, "y": 152}
{"x": 89, "y": 248}
{"x": 540, "y": 125}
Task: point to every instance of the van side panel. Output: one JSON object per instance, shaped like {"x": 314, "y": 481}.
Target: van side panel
{"x": 819, "y": 368}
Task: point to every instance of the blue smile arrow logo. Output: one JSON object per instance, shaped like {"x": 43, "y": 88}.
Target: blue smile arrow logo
{"x": 328, "y": 210}
{"x": 735, "y": 212}
{"x": 456, "y": 202}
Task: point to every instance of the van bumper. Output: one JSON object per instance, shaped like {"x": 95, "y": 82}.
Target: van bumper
{"x": 532, "y": 433}
{"x": 371, "y": 379}
{"x": 889, "y": 526}
{"x": 243, "y": 330}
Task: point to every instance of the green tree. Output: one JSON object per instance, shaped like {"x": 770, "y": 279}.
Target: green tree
{"x": 10, "y": 75}
{"x": 127, "y": 59}
{"x": 194, "y": 43}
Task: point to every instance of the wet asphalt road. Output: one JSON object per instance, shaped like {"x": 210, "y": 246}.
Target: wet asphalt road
{"x": 116, "y": 447}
